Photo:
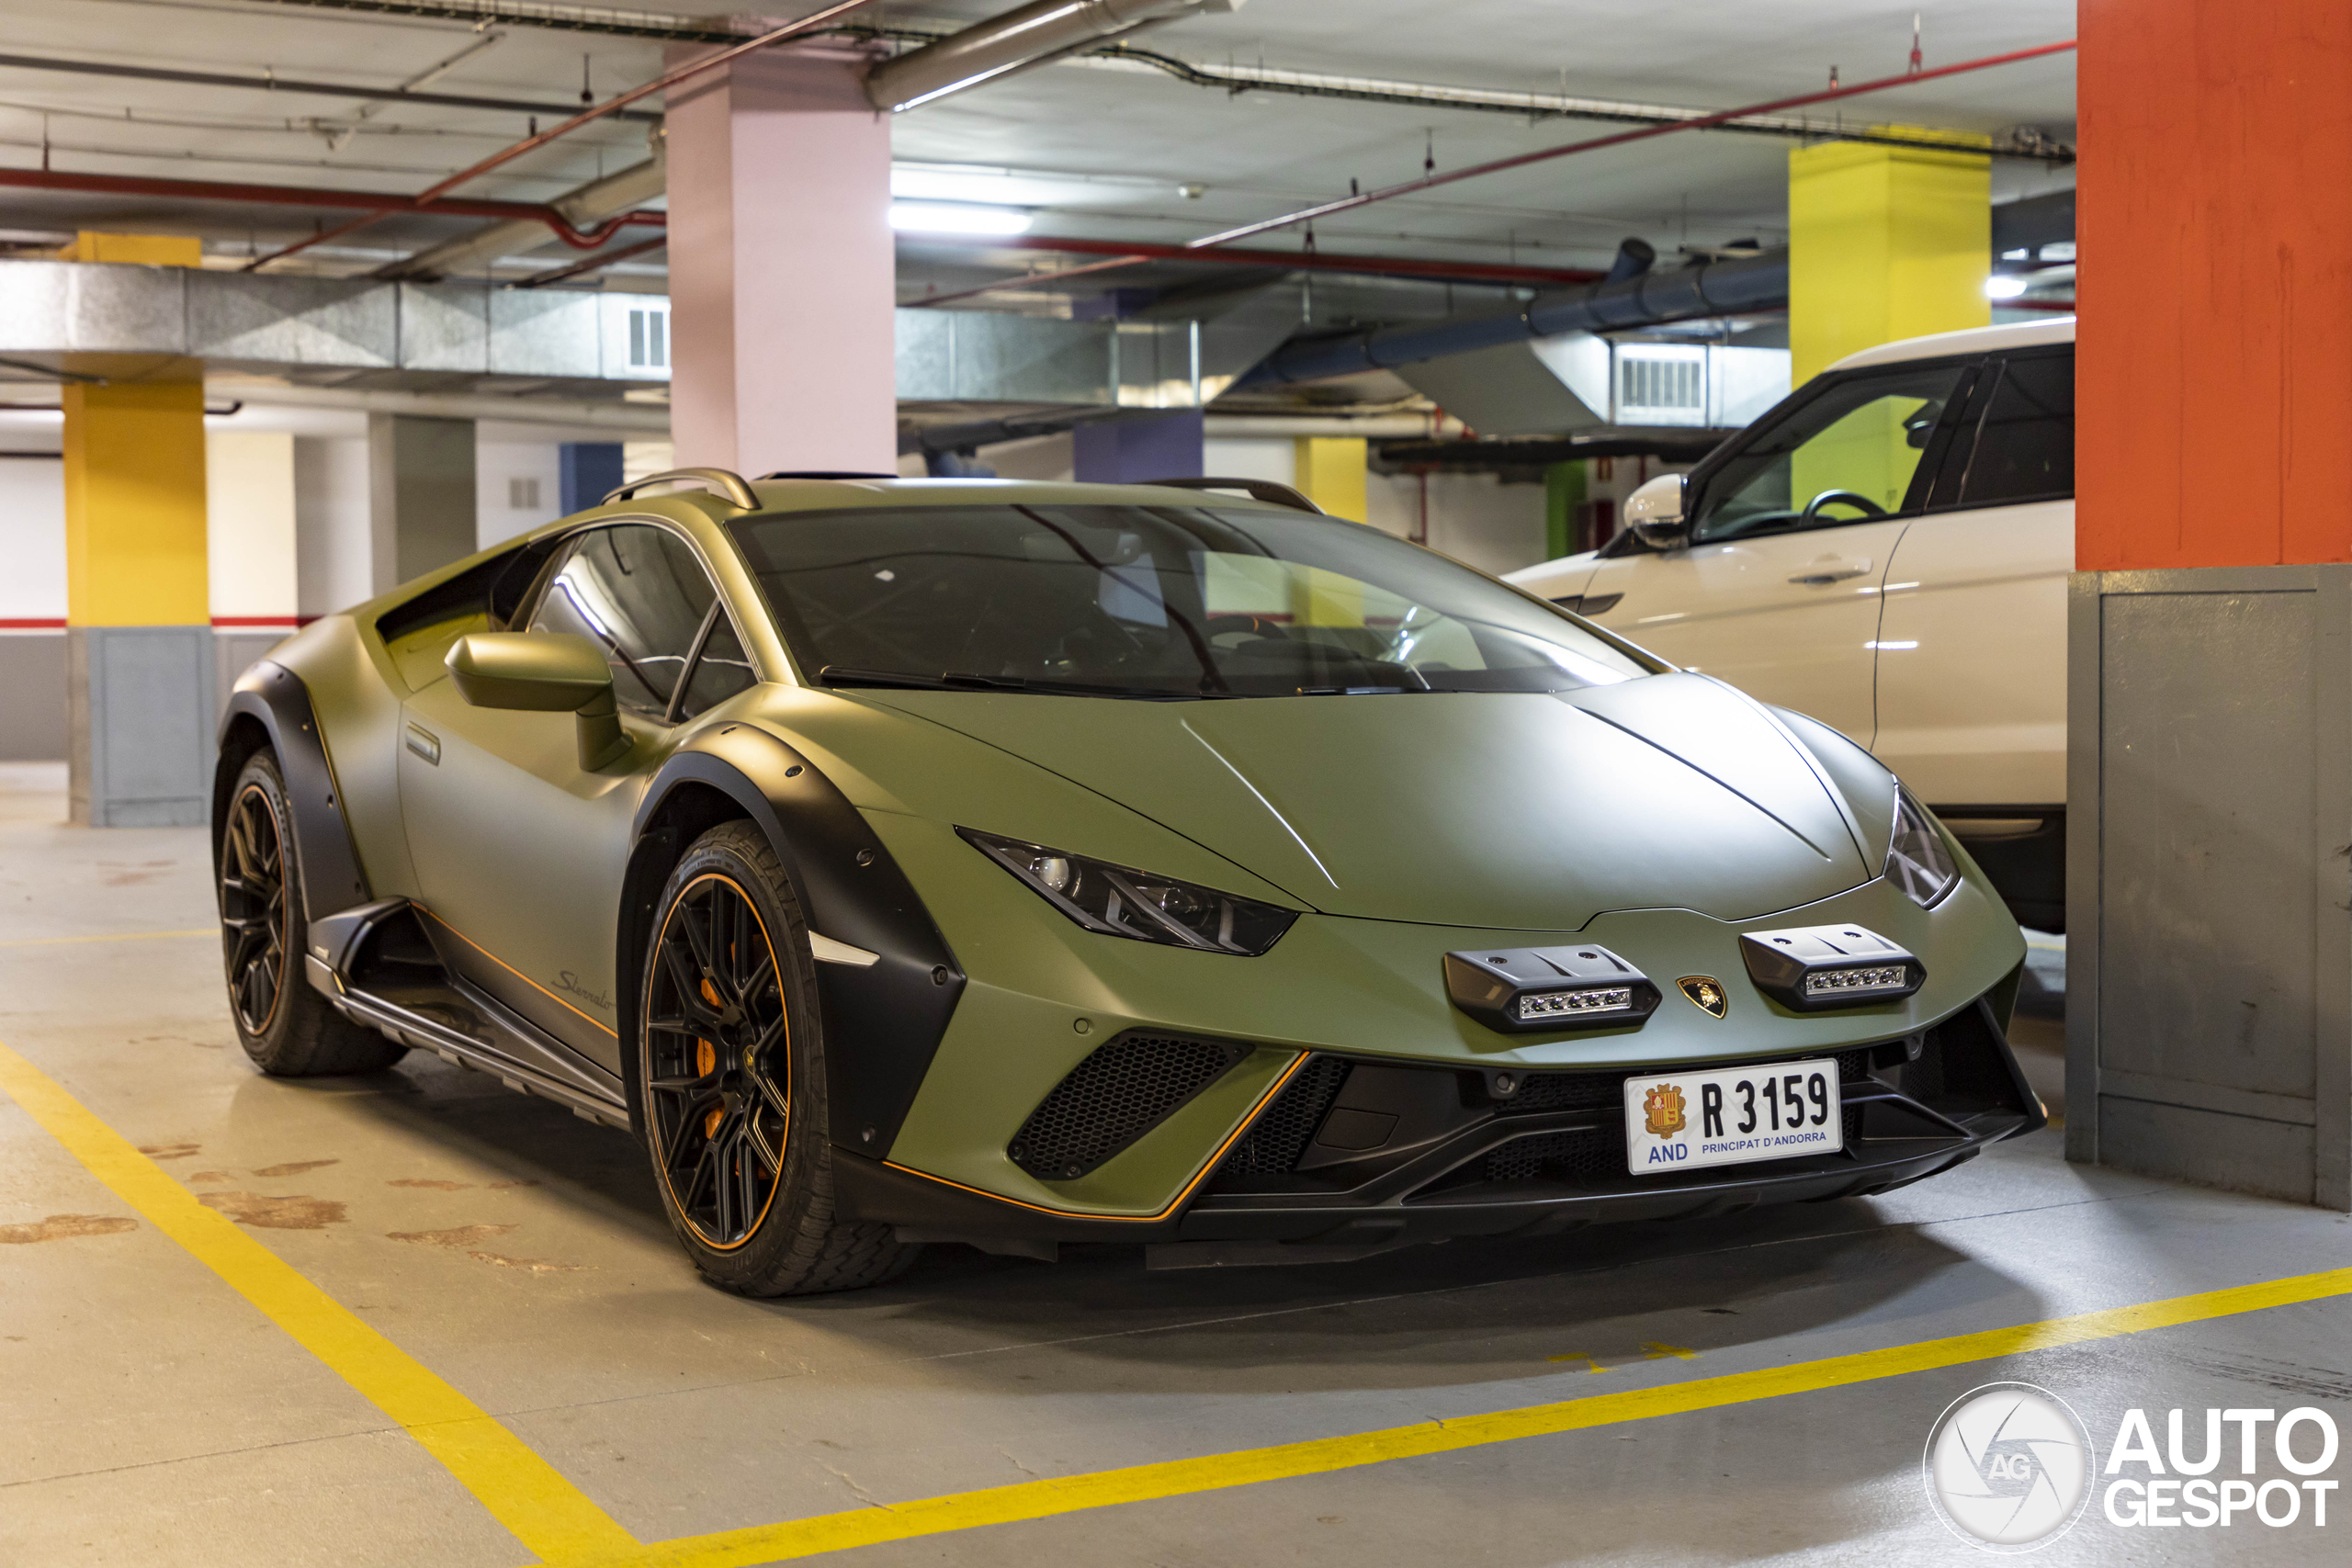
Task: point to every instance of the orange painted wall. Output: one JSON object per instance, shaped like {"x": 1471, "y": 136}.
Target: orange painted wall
{"x": 2214, "y": 387}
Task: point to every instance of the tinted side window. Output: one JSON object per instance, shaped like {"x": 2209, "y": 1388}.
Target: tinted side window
{"x": 1850, "y": 454}
{"x": 722, "y": 671}
{"x": 639, "y": 592}
{"x": 2025, "y": 448}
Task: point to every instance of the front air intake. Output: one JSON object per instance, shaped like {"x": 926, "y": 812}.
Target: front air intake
{"x": 1124, "y": 1089}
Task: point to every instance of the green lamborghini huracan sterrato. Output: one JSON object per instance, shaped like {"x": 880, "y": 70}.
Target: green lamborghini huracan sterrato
{"x": 907, "y": 861}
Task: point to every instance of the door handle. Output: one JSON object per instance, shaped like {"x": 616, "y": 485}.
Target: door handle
{"x": 424, "y": 743}
{"x": 1822, "y": 573}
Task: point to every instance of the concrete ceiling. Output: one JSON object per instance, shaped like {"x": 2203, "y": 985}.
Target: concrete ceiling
{"x": 1105, "y": 153}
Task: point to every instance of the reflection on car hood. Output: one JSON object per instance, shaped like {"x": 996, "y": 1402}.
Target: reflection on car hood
{"x": 1509, "y": 810}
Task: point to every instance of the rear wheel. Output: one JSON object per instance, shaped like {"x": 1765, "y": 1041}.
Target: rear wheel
{"x": 731, "y": 1080}
{"x": 284, "y": 1024}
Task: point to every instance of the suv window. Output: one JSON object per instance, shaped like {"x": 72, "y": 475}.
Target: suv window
{"x": 1850, "y": 454}
{"x": 2025, "y": 448}
{"x": 721, "y": 670}
{"x": 639, "y": 592}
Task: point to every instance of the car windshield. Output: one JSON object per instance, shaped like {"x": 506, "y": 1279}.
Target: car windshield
{"x": 1152, "y": 602}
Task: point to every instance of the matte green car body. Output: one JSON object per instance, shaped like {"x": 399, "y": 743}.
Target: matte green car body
{"x": 1660, "y": 817}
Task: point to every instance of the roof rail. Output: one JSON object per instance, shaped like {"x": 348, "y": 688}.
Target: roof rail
{"x": 827, "y": 474}
{"x": 1257, "y": 489}
{"x": 730, "y": 485}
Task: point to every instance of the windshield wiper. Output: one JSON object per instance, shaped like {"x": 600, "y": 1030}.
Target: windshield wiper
{"x": 964, "y": 681}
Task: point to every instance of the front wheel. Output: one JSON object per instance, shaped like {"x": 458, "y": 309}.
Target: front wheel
{"x": 732, "y": 1081}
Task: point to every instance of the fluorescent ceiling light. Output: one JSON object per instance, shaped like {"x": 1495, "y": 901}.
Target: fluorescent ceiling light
{"x": 2000, "y": 287}
{"x": 950, "y": 218}
{"x": 993, "y": 187}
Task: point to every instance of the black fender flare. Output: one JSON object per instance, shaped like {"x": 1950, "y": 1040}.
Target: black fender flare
{"x": 275, "y": 697}
{"x": 882, "y": 1022}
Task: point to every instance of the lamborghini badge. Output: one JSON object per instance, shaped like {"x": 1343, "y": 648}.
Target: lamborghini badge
{"x": 1706, "y": 994}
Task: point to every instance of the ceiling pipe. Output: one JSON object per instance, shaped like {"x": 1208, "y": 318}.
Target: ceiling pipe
{"x": 534, "y": 214}
{"x": 1494, "y": 272}
{"x": 1032, "y": 35}
{"x": 1643, "y": 299}
{"x": 433, "y": 194}
{"x": 584, "y": 207}
{"x": 274, "y": 83}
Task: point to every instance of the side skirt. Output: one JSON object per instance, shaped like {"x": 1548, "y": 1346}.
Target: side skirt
{"x": 375, "y": 965}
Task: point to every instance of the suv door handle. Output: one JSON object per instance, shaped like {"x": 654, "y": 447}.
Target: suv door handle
{"x": 1824, "y": 572}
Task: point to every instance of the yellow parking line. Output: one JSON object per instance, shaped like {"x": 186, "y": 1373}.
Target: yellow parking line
{"x": 122, "y": 936}
{"x": 1176, "y": 1478}
{"x": 525, "y": 1493}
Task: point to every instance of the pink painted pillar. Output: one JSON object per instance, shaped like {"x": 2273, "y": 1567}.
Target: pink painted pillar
{"x": 782, "y": 272}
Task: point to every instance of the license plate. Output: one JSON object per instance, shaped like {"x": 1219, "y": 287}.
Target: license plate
{"x": 1731, "y": 1115}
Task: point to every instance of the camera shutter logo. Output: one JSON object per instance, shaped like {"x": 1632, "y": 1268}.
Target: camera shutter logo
{"x": 2008, "y": 1467}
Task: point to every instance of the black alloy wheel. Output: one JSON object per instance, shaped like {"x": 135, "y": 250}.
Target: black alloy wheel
{"x": 718, "y": 1058}
{"x": 730, "y": 1080}
{"x": 253, "y": 909}
{"x": 286, "y": 1024}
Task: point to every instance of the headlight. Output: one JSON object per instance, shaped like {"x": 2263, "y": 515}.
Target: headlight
{"x": 1918, "y": 862}
{"x": 1117, "y": 900}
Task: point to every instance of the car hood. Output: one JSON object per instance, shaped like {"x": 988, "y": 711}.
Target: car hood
{"x": 1528, "y": 811}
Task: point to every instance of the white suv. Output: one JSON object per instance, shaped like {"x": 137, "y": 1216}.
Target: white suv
{"x": 1887, "y": 550}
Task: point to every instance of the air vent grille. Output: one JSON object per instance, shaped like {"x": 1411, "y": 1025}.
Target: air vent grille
{"x": 1123, "y": 1089}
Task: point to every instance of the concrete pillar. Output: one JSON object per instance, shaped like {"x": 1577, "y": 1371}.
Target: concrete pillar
{"x": 1564, "y": 486}
{"x": 333, "y": 555}
{"x": 250, "y": 544}
{"x": 591, "y": 470}
{"x": 139, "y": 650}
{"x": 1331, "y": 474}
{"x": 781, "y": 270}
{"x": 419, "y": 495}
{"x": 1884, "y": 243}
{"x": 1130, "y": 451}
{"x": 2208, "y": 1000}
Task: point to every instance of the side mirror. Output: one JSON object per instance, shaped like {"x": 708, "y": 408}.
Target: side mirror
{"x": 544, "y": 673}
{"x": 1653, "y": 513}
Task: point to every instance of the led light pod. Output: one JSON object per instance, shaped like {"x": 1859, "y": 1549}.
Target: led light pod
{"x": 1815, "y": 968}
{"x": 1527, "y": 990}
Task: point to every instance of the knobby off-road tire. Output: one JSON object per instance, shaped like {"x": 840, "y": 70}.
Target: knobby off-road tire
{"x": 730, "y": 1062}
{"x": 286, "y": 1028}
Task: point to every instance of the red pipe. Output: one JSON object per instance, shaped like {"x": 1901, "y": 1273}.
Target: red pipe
{"x": 375, "y": 203}
{"x": 1296, "y": 261}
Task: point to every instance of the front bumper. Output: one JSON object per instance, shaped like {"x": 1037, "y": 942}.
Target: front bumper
{"x": 1453, "y": 1159}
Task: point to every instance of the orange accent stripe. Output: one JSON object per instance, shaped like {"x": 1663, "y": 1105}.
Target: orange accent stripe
{"x": 511, "y": 969}
{"x": 1173, "y": 1203}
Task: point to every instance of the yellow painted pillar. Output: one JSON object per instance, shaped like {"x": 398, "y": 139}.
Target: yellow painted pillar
{"x": 1884, "y": 243}
{"x": 1330, "y": 474}
{"x": 139, "y": 627}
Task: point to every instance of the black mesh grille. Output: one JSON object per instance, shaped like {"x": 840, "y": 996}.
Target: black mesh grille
{"x": 1567, "y": 1091}
{"x": 1280, "y": 1134}
{"x": 1584, "y": 1158}
{"x": 1120, "y": 1091}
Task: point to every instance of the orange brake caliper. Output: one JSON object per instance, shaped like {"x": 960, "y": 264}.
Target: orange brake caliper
{"x": 706, "y": 1061}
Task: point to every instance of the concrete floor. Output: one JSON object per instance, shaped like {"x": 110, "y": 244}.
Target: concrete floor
{"x": 149, "y": 1415}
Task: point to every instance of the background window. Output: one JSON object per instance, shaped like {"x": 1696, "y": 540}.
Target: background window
{"x": 1859, "y": 442}
{"x": 2025, "y": 448}
{"x": 640, "y": 594}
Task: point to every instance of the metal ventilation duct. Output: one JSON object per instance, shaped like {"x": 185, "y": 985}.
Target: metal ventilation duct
{"x": 1749, "y": 283}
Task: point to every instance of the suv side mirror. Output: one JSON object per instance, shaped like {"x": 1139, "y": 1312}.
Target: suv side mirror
{"x": 544, "y": 673}
{"x": 1653, "y": 513}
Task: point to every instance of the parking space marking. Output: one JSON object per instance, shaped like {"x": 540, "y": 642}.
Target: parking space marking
{"x": 119, "y": 936}
{"x": 1177, "y": 1478}
{"x": 522, "y": 1491}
